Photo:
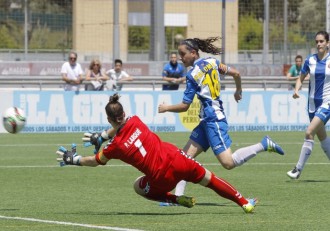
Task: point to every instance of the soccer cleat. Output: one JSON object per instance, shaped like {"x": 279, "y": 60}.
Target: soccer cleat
{"x": 249, "y": 207}
{"x": 185, "y": 201}
{"x": 294, "y": 173}
{"x": 271, "y": 146}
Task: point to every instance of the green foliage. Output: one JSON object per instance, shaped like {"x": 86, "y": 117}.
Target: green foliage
{"x": 312, "y": 16}
{"x": 138, "y": 38}
{"x": 171, "y": 33}
{"x": 39, "y": 38}
{"x": 295, "y": 36}
{"x": 250, "y": 33}
{"x": 51, "y": 6}
{"x": 6, "y": 41}
{"x": 276, "y": 36}
{"x": 11, "y": 34}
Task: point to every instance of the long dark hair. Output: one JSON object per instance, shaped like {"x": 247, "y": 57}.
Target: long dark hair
{"x": 204, "y": 45}
{"x": 325, "y": 35}
{"x": 114, "y": 109}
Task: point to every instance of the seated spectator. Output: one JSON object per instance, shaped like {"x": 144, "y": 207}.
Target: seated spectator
{"x": 96, "y": 75}
{"x": 173, "y": 73}
{"x": 72, "y": 73}
{"x": 294, "y": 72}
{"x": 117, "y": 74}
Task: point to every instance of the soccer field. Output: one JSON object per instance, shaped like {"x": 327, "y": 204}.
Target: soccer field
{"x": 37, "y": 194}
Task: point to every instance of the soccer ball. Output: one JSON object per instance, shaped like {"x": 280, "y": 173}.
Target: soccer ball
{"x": 13, "y": 120}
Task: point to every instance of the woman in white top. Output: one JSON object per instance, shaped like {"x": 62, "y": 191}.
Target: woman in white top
{"x": 96, "y": 75}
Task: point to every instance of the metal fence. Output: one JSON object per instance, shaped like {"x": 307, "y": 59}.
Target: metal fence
{"x": 268, "y": 31}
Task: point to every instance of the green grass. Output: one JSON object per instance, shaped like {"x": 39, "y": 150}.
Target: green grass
{"x": 34, "y": 186}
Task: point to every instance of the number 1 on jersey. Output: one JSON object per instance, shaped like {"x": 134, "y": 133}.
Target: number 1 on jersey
{"x": 139, "y": 145}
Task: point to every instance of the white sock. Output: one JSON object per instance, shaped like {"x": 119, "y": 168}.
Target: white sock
{"x": 325, "y": 144}
{"x": 306, "y": 151}
{"x": 180, "y": 187}
{"x": 242, "y": 155}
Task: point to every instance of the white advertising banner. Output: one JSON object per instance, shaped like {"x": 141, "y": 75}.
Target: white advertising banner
{"x": 56, "y": 111}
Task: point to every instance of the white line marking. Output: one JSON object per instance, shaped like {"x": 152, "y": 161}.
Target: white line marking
{"x": 127, "y": 165}
{"x": 57, "y": 166}
{"x": 67, "y": 223}
{"x": 82, "y": 145}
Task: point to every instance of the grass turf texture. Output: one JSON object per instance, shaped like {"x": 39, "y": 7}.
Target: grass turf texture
{"x": 34, "y": 186}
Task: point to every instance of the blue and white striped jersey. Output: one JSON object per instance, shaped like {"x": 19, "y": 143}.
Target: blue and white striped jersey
{"x": 203, "y": 79}
{"x": 319, "y": 83}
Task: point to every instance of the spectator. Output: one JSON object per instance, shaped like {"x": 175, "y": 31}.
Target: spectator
{"x": 117, "y": 74}
{"x": 173, "y": 73}
{"x": 294, "y": 71}
{"x": 72, "y": 73}
{"x": 96, "y": 75}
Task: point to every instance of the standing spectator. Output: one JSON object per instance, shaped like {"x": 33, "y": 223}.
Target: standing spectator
{"x": 162, "y": 163}
{"x": 96, "y": 75}
{"x": 173, "y": 73}
{"x": 72, "y": 73}
{"x": 117, "y": 74}
{"x": 203, "y": 80}
{"x": 317, "y": 66}
{"x": 294, "y": 71}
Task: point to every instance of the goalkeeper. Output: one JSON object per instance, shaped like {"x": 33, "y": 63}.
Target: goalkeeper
{"x": 163, "y": 164}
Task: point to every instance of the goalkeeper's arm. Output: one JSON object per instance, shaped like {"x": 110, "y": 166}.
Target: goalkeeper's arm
{"x": 97, "y": 139}
{"x": 72, "y": 158}
{"x": 88, "y": 161}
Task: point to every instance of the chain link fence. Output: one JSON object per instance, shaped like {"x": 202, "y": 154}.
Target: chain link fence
{"x": 37, "y": 30}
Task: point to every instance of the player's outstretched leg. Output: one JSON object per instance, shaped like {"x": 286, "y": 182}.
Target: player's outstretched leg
{"x": 271, "y": 146}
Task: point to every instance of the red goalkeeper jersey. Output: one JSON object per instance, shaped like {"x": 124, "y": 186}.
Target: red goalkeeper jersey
{"x": 136, "y": 145}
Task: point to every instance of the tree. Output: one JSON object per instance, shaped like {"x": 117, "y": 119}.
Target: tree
{"x": 138, "y": 37}
{"x": 6, "y": 39}
{"x": 312, "y": 17}
{"x": 250, "y": 32}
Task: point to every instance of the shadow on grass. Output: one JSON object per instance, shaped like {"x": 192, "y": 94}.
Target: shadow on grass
{"x": 124, "y": 214}
{"x": 309, "y": 181}
{"x": 164, "y": 208}
{"x": 9, "y": 210}
{"x": 212, "y": 204}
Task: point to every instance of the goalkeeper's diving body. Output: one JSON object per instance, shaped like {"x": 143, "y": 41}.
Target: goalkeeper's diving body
{"x": 162, "y": 163}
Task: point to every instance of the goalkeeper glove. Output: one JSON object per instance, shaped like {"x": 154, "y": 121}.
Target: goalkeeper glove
{"x": 95, "y": 139}
{"x": 68, "y": 157}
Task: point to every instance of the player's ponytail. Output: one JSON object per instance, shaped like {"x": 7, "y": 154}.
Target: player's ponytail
{"x": 114, "y": 109}
{"x": 204, "y": 45}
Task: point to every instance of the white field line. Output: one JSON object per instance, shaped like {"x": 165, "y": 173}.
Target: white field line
{"x": 126, "y": 165}
{"x": 68, "y": 223}
{"x": 80, "y": 144}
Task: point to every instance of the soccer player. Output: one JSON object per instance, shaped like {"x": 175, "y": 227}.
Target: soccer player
{"x": 317, "y": 66}
{"x": 163, "y": 164}
{"x": 203, "y": 80}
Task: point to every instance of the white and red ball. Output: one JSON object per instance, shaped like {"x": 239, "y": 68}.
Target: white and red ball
{"x": 13, "y": 120}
